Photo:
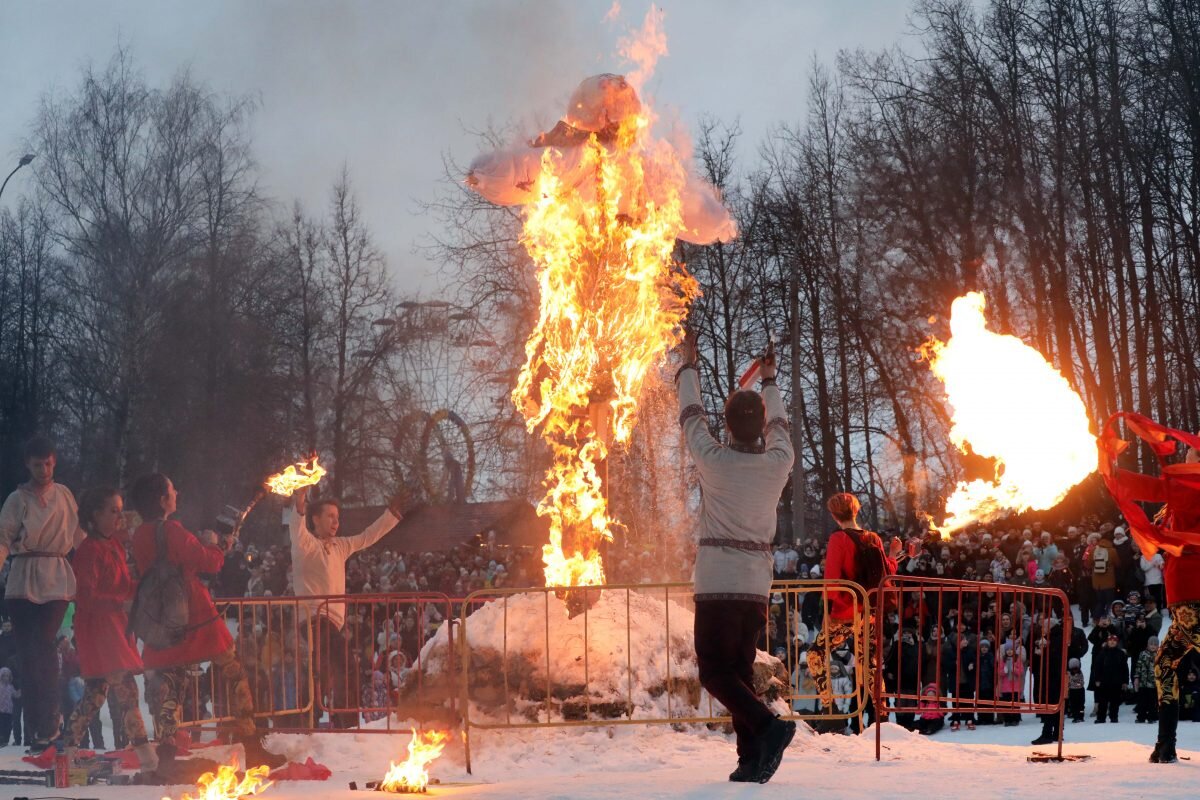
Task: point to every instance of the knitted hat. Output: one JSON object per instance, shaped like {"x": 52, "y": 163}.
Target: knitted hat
{"x": 1074, "y": 664}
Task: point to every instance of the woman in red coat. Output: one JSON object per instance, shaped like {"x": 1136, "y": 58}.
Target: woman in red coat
{"x": 207, "y": 638}
{"x": 108, "y": 657}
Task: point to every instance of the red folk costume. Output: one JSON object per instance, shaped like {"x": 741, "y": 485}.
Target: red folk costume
{"x": 208, "y": 636}
{"x": 103, "y": 586}
{"x": 841, "y": 564}
{"x": 1178, "y": 485}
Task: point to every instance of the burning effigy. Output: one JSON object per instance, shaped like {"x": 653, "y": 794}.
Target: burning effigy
{"x": 604, "y": 202}
{"x": 1009, "y": 404}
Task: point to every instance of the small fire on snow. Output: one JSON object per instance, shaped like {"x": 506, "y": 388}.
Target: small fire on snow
{"x": 296, "y": 476}
{"x": 224, "y": 784}
{"x": 411, "y": 775}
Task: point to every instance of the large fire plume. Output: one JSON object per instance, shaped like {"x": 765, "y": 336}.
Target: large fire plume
{"x": 1011, "y": 405}
{"x": 224, "y": 784}
{"x": 411, "y": 775}
{"x": 601, "y": 232}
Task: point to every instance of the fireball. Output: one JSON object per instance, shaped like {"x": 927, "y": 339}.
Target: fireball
{"x": 1008, "y": 404}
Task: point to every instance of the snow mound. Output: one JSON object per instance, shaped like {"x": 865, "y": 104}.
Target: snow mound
{"x": 632, "y": 655}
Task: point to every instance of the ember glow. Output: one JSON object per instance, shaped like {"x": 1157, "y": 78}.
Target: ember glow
{"x": 601, "y": 232}
{"x": 296, "y": 476}
{"x": 411, "y": 775}
{"x": 224, "y": 784}
{"x": 1011, "y": 405}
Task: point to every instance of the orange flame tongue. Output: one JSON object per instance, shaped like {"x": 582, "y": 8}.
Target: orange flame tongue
{"x": 1009, "y": 404}
{"x": 411, "y": 775}
{"x": 612, "y": 299}
{"x": 224, "y": 784}
{"x": 296, "y": 476}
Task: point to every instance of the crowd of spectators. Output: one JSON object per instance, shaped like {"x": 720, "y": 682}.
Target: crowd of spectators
{"x": 998, "y": 640}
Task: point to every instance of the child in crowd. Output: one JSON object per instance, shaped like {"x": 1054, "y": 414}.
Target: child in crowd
{"x": 931, "y": 718}
{"x": 1143, "y": 683}
{"x": 8, "y": 695}
{"x": 1076, "y": 698}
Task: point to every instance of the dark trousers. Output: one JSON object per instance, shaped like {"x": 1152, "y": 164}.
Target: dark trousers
{"x": 35, "y": 626}
{"x": 1147, "y": 704}
{"x": 726, "y": 632}
{"x": 335, "y": 674}
{"x": 965, "y": 695}
{"x": 1101, "y": 601}
{"x": 1108, "y": 703}
{"x": 1076, "y": 699}
{"x": 6, "y": 723}
{"x": 987, "y": 693}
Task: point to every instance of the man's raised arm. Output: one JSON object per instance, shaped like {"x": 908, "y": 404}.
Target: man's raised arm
{"x": 691, "y": 404}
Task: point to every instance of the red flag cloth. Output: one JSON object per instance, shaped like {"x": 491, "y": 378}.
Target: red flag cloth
{"x": 308, "y": 771}
{"x": 45, "y": 759}
{"x": 1177, "y": 532}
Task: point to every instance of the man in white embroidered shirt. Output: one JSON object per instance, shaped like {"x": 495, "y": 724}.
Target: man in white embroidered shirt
{"x": 39, "y": 523}
{"x": 319, "y": 558}
{"x": 740, "y": 484}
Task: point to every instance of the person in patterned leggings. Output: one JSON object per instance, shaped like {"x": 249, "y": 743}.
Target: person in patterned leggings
{"x": 108, "y": 657}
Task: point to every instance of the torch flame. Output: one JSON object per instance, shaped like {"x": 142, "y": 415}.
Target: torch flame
{"x": 411, "y": 775}
{"x": 612, "y": 302}
{"x": 1009, "y": 404}
{"x": 296, "y": 476}
{"x": 225, "y": 785}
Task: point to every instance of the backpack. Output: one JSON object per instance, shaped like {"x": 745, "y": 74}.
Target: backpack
{"x": 159, "y": 616}
{"x": 870, "y": 562}
{"x": 1100, "y": 560}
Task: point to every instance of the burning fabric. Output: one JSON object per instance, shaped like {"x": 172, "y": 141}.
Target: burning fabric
{"x": 1008, "y": 404}
{"x": 411, "y": 775}
{"x": 604, "y": 203}
{"x": 224, "y": 784}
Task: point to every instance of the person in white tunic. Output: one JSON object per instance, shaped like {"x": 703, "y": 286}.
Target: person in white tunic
{"x": 39, "y": 527}
{"x": 740, "y": 483}
{"x": 319, "y": 558}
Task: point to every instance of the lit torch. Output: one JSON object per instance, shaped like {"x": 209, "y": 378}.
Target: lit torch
{"x": 410, "y": 776}
{"x": 1011, "y": 405}
{"x": 296, "y": 476}
{"x": 224, "y": 784}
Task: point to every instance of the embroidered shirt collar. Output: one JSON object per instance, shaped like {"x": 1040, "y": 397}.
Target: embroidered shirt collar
{"x": 756, "y": 448}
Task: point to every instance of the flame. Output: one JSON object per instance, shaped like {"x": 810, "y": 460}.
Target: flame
{"x": 296, "y": 476}
{"x": 225, "y": 785}
{"x": 1009, "y": 404}
{"x": 612, "y": 302}
{"x": 411, "y": 776}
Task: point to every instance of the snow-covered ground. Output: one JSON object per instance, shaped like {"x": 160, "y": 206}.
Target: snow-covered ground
{"x": 658, "y": 762}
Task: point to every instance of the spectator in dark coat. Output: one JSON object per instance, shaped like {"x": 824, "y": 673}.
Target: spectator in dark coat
{"x": 1110, "y": 677}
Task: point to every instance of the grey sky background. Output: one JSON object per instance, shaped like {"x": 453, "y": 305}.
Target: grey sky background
{"x": 389, "y": 87}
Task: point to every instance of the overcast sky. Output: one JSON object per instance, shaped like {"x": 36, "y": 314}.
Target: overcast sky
{"x": 389, "y": 86}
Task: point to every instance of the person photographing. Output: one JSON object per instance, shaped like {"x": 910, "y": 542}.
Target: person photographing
{"x": 740, "y": 485}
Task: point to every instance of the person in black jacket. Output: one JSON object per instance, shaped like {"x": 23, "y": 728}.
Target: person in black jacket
{"x": 1110, "y": 677}
{"x": 901, "y": 674}
{"x": 1046, "y": 662}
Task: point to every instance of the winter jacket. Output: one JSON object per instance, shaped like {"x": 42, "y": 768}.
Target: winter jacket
{"x": 1011, "y": 670}
{"x": 1075, "y": 679}
{"x": 929, "y": 707}
{"x": 1110, "y": 669}
{"x": 1110, "y": 563}
{"x": 1144, "y": 675}
{"x": 208, "y": 636}
{"x": 104, "y": 586}
{"x": 8, "y": 691}
{"x": 1063, "y": 580}
{"x": 841, "y": 563}
{"x": 1152, "y": 570}
{"x": 900, "y": 668}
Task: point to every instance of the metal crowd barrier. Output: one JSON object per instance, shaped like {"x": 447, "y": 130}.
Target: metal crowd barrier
{"x": 934, "y": 641}
{"x": 529, "y": 700}
{"x": 299, "y": 670}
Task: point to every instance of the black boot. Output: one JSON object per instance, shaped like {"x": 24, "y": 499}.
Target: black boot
{"x": 778, "y": 736}
{"x": 259, "y": 756}
{"x": 746, "y": 772}
{"x": 1168, "y": 721}
{"x": 1049, "y": 733}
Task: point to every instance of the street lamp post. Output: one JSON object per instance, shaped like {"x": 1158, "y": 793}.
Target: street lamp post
{"x": 25, "y": 159}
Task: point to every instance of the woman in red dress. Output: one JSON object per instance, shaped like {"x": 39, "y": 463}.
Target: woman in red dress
{"x": 108, "y": 657}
